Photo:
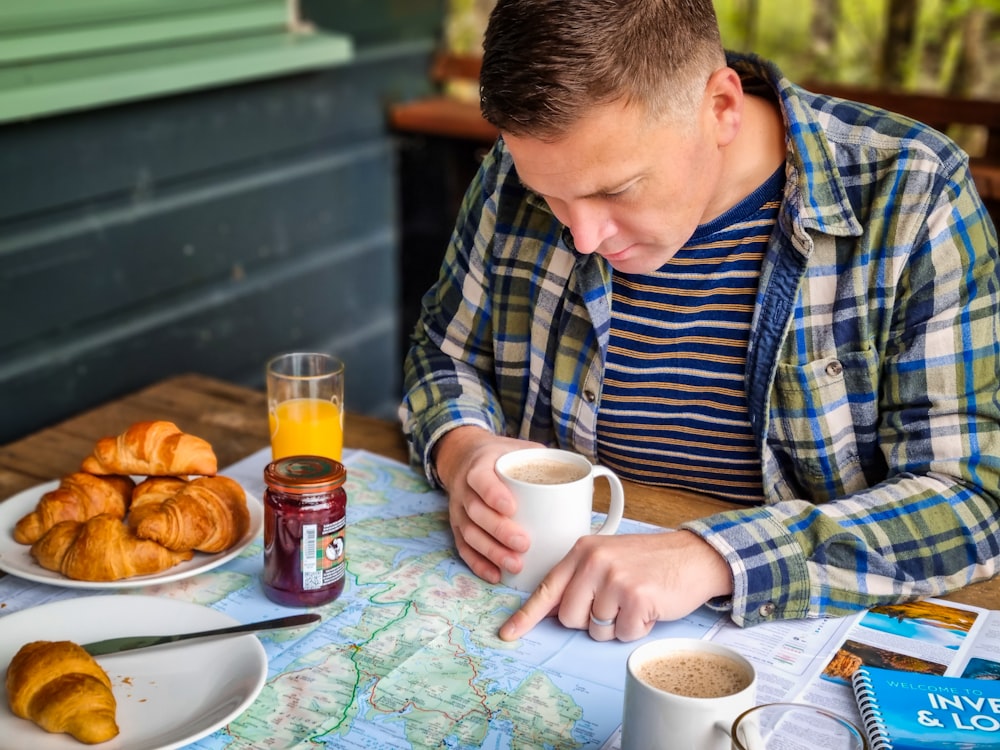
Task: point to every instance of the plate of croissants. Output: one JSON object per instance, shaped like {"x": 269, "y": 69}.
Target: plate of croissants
{"x": 56, "y": 696}
{"x": 146, "y": 507}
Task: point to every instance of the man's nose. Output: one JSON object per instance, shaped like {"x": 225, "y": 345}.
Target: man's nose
{"x": 590, "y": 226}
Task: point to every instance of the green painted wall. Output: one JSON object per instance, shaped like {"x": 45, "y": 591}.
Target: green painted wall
{"x": 205, "y": 231}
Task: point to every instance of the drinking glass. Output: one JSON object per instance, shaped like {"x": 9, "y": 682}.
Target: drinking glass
{"x": 794, "y": 726}
{"x": 305, "y": 405}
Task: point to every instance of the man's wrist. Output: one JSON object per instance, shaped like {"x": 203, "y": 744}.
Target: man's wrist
{"x": 446, "y": 454}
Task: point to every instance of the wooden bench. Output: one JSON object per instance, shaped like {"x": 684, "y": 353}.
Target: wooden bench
{"x": 442, "y": 114}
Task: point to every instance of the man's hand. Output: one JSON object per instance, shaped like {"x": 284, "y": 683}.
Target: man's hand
{"x": 632, "y": 580}
{"x": 479, "y": 504}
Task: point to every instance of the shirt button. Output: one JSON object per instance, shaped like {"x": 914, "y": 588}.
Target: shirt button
{"x": 590, "y": 396}
{"x": 766, "y": 610}
{"x": 834, "y": 369}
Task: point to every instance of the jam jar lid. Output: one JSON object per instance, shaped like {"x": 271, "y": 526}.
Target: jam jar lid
{"x": 305, "y": 475}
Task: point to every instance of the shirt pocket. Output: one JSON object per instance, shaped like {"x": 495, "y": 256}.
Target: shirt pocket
{"x": 824, "y": 419}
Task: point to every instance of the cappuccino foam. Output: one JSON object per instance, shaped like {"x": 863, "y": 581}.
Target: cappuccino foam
{"x": 547, "y": 471}
{"x": 695, "y": 674}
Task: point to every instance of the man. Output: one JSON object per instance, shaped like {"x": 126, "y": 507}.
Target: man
{"x": 685, "y": 267}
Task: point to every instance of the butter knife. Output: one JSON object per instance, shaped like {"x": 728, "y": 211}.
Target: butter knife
{"x": 132, "y": 642}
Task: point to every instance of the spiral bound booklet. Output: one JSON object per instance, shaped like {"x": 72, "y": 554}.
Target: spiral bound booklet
{"x": 916, "y": 711}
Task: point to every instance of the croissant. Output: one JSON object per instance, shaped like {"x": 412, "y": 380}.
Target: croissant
{"x": 209, "y": 514}
{"x": 101, "y": 549}
{"x": 78, "y": 497}
{"x": 149, "y": 495}
{"x": 152, "y": 448}
{"x": 60, "y": 687}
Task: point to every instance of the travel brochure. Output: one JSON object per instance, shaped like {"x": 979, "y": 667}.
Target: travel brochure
{"x": 925, "y": 711}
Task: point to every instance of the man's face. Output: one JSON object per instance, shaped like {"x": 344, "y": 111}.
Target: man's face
{"x": 629, "y": 189}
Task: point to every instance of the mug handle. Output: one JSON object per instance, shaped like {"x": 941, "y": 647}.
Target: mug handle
{"x": 617, "y": 506}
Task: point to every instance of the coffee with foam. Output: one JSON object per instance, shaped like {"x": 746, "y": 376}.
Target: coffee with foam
{"x": 696, "y": 674}
{"x": 546, "y": 471}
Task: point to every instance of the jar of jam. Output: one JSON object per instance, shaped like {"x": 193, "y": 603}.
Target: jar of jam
{"x": 305, "y": 517}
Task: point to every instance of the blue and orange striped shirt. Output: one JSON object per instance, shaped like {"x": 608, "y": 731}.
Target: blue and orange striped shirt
{"x": 673, "y": 403}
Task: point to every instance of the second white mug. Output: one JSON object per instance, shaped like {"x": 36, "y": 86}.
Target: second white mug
{"x": 554, "y": 490}
{"x": 684, "y": 693}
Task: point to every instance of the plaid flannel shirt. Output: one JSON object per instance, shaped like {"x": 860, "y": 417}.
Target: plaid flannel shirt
{"x": 871, "y": 368}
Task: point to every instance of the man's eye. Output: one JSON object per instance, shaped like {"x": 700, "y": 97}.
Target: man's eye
{"x": 620, "y": 192}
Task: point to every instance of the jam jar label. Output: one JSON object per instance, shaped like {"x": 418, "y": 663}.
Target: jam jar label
{"x": 322, "y": 554}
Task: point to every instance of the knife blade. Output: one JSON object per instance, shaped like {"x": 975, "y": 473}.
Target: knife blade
{"x": 132, "y": 642}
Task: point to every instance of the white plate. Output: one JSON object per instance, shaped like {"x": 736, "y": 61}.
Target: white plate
{"x": 16, "y": 558}
{"x": 167, "y": 696}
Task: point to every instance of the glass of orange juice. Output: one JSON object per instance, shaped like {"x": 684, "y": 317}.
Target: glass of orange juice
{"x": 305, "y": 405}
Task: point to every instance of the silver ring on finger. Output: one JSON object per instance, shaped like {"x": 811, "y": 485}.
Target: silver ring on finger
{"x": 602, "y": 623}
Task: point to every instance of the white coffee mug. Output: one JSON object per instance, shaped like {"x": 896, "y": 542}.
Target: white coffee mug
{"x": 657, "y": 719}
{"x": 555, "y": 508}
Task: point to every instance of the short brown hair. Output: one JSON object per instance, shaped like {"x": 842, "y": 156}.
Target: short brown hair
{"x": 545, "y": 62}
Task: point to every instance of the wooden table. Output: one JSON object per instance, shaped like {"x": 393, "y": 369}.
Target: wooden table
{"x": 234, "y": 420}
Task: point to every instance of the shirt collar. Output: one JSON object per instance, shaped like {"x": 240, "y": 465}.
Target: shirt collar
{"x": 813, "y": 177}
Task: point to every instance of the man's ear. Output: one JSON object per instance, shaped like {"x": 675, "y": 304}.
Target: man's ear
{"x": 723, "y": 104}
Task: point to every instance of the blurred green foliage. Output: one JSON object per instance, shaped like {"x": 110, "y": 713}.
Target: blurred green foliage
{"x": 782, "y": 31}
